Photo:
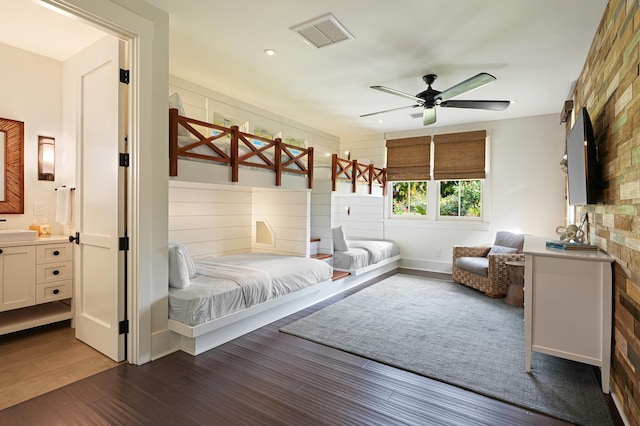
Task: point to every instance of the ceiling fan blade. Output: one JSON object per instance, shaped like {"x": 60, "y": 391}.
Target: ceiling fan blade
{"x": 492, "y": 105}
{"x": 429, "y": 116}
{"x": 398, "y": 93}
{"x": 389, "y": 110}
{"x": 469, "y": 84}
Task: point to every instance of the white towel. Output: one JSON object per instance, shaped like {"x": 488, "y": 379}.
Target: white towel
{"x": 63, "y": 206}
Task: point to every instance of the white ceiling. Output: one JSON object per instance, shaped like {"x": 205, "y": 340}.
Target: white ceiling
{"x": 535, "y": 48}
{"x": 30, "y": 26}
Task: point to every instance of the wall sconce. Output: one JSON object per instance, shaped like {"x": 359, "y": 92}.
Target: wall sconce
{"x": 566, "y": 111}
{"x": 348, "y": 210}
{"x": 348, "y": 154}
{"x": 46, "y": 158}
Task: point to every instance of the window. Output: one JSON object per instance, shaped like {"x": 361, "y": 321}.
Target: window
{"x": 460, "y": 198}
{"x": 302, "y": 143}
{"x": 410, "y": 198}
{"x": 218, "y": 120}
{"x": 456, "y": 162}
{"x": 456, "y": 199}
{"x": 263, "y": 133}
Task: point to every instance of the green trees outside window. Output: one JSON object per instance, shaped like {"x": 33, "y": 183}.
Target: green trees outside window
{"x": 460, "y": 198}
{"x": 410, "y": 198}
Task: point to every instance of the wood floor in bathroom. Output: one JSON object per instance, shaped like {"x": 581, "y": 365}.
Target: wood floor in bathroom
{"x": 37, "y": 361}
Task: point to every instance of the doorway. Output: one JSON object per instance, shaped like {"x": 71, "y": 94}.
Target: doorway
{"x": 51, "y": 116}
{"x": 146, "y": 29}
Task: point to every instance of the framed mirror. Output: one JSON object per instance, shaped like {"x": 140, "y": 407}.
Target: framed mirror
{"x": 11, "y": 166}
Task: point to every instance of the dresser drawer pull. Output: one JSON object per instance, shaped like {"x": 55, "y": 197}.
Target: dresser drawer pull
{"x": 56, "y": 272}
{"x": 56, "y": 291}
{"x": 56, "y": 253}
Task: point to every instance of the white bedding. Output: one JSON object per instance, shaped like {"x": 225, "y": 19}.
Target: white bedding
{"x": 363, "y": 253}
{"x": 224, "y": 285}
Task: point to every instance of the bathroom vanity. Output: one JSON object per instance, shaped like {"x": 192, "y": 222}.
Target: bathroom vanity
{"x": 36, "y": 283}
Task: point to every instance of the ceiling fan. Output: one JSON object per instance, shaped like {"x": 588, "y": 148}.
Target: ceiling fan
{"x": 431, "y": 98}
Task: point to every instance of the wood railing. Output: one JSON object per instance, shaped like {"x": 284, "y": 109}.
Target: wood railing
{"x": 357, "y": 174}
{"x": 235, "y": 148}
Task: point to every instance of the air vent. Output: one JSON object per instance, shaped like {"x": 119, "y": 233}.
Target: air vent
{"x": 417, "y": 115}
{"x": 322, "y": 31}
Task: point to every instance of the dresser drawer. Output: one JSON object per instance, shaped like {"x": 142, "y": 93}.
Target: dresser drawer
{"x": 52, "y": 272}
{"x": 49, "y": 253}
{"x": 54, "y": 291}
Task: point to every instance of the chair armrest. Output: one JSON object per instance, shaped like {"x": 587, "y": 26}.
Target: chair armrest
{"x": 466, "y": 251}
{"x": 498, "y": 268}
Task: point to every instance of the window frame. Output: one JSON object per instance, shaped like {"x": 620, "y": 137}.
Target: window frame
{"x": 433, "y": 205}
{"x": 408, "y": 216}
{"x": 462, "y": 218}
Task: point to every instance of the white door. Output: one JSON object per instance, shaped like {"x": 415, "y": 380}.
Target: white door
{"x": 100, "y": 199}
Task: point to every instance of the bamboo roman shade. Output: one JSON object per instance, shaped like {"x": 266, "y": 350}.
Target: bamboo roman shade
{"x": 459, "y": 155}
{"x": 409, "y": 159}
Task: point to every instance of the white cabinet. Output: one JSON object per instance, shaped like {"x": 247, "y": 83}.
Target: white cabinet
{"x": 36, "y": 283}
{"x": 54, "y": 272}
{"x": 567, "y": 305}
{"x": 18, "y": 284}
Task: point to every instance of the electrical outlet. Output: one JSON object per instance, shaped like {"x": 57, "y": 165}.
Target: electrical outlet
{"x": 438, "y": 253}
{"x": 38, "y": 209}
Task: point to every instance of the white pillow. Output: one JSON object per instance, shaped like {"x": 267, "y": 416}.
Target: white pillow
{"x": 181, "y": 267}
{"x": 339, "y": 240}
{"x": 176, "y": 102}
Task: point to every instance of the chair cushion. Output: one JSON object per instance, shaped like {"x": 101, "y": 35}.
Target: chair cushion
{"x": 501, "y": 250}
{"x": 508, "y": 239}
{"x": 476, "y": 265}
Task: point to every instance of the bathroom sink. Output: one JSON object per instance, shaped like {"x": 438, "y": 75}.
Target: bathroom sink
{"x": 8, "y": 235}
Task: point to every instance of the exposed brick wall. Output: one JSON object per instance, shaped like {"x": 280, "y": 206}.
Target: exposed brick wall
{"x": 609, "y": 88}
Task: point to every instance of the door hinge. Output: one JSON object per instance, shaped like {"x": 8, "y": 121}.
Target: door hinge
{"x": 123, "y": 327}
{"x": 124, "y": 76}
{"x": 123, "y": 243}
{"x": 124, "y": 159}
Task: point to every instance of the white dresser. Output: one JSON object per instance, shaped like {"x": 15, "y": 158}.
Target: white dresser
{"x": 36, "y": 283}
{"x": 568, "y": 305}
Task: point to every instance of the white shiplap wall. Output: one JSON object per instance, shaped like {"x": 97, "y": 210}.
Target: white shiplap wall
{"x": 212, "y": 219}
{"x": 364, "y": 218}
{"x": 329, "y": 209}
{"x": 287, "y": 214}
{"x": 321, "y": 219}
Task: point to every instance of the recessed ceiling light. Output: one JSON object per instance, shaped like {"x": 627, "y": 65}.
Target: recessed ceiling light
{"x": 380, "y": 120}
{"x": 269, "y": 52}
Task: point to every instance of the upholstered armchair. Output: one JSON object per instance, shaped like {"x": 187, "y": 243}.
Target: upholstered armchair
{"x": 483, "y": 268}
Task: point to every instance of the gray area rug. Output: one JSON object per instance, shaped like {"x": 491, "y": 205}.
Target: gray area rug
{"x": 457, "y": 335}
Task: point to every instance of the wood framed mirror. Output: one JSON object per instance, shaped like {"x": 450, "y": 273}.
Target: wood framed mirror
{"x": 11, "y": 166}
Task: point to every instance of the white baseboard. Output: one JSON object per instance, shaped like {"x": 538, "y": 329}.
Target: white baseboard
{"x": 163, "y": 343}
{"x": 426, "y": 265}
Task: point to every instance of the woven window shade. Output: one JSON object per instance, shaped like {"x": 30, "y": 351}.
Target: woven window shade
{"x": 409, "y": 159}
{"x": 459, "y": 155}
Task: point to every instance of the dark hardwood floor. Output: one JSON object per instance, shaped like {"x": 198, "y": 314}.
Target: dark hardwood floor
{"x": 266, "y": 378}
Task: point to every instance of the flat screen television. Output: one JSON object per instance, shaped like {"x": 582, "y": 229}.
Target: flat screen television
{"x": 583, "y": 168}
